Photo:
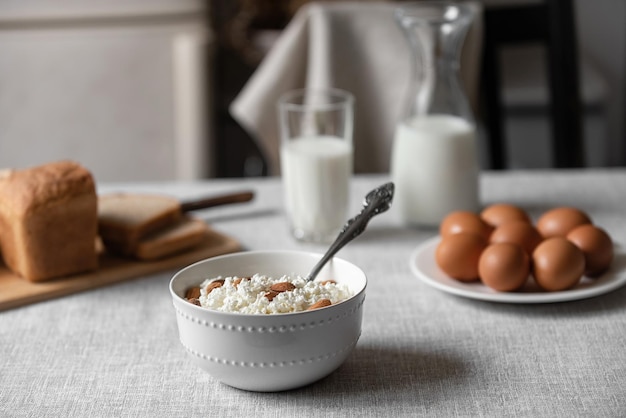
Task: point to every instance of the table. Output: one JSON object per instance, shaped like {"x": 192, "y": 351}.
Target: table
{"x": 114, "y": 351}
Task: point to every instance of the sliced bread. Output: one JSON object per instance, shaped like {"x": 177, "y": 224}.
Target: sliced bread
{"x": 125, "y": 218}
{"x": 185, "y": 233}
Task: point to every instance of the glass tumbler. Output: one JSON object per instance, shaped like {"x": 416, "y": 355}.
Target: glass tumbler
{"x": 316, "y": 158}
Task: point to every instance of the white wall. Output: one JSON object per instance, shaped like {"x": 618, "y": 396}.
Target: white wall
{"x": 117, "y": 86}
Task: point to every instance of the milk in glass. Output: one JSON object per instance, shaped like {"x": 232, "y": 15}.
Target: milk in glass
{"x": 316, "y": 173}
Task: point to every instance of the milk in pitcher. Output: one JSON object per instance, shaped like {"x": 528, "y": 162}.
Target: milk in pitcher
{"x": 435, "y": 168}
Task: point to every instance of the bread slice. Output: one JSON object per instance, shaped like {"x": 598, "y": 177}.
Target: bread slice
{"x": 187, "y": 232}
{"x": 125, "y": 218}
{"x": 48, "y": 220}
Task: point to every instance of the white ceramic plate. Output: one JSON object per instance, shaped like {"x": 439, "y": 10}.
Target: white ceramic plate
{"x": 423, "y": 265}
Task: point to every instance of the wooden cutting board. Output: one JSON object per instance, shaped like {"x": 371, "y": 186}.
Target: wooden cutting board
{"x": 16, "y": 291}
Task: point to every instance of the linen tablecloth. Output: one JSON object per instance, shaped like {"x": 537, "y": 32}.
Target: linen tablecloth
{"x": 353, "y": 46}
{"x": 114, "y": 351}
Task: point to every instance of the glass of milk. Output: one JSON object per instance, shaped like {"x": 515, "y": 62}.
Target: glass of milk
{"x": 316, "y": 160}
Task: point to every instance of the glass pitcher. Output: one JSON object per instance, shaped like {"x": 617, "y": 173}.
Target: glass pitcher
{"x": 434, "y": 159}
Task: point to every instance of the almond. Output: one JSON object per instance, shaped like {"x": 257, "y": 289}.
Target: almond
{"x": 271, "y": 295}
{"x": 192, "y": 293}
{"x": 282, "y": 287}
{"x": 238, "y": 280}
{"x": 194, "y": 301}
{"x": 214, "y": 285}
{"x": 320, "y": 304}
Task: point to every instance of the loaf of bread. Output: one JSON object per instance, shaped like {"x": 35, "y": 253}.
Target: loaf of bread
{"x": 125, "y": 218}
{"x": 48, "y": 220}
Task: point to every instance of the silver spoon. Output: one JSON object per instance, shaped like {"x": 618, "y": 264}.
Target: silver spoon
{"x": 377, "y": 201}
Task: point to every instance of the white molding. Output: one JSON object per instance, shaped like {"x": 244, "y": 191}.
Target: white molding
{"x": 15, "y": 12}
{"x": 193, "y": 144}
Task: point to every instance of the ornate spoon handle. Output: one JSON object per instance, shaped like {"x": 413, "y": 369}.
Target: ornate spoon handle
{"x": 377, "y": 201}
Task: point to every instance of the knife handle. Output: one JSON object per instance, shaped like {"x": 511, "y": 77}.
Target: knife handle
{"x": 210, "y": 202}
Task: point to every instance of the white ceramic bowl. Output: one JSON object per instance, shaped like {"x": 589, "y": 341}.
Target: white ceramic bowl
{"x": 275, "y": 352}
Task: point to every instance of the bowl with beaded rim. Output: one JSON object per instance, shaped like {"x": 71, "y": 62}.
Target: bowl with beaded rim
{"x": 269, "y": 352}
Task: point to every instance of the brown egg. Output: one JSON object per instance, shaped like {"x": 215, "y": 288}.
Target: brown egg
{"x": 557, "y": 264}
{"x": 559, "y": 222}
{"x": 500, "y": 213}
{"x": 464, "y": 221}
{"x": 596, "y": 245}
{"x": 504, "y": 266}
{"x": 457, "y": 255}
{"x": 517, "y": 232}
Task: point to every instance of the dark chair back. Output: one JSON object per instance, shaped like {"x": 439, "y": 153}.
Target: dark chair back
{"x": 551, "y": 23}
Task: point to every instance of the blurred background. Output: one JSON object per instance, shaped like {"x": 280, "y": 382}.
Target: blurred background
{"x": 140, "y": 89}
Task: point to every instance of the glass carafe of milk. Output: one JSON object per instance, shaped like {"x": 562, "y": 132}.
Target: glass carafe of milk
{"x": 434, "y": 161}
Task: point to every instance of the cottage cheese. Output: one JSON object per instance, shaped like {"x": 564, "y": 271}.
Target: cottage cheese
{"x": 249, "y": 296}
